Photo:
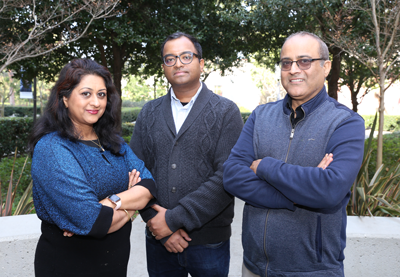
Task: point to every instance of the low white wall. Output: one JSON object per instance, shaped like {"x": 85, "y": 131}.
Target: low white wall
{"x": 373, "y": 246}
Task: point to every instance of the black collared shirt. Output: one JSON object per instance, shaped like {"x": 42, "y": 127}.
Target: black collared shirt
{"x": 299, "y": 114}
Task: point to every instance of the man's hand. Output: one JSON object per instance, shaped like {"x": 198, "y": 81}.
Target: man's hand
{"x": 254, "y": 165}
{"x": 326, "y": 161}
{"x": 157, "y": 225}
{"x": 178, "y": 241}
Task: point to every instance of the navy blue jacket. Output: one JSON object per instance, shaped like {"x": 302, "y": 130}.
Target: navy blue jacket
{"x": 294, "y": 221}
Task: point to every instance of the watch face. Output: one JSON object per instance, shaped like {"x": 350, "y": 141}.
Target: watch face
{"x": 114, "y": 198}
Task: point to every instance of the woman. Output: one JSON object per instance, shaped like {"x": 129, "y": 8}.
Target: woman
{"x": 86, "y": 182}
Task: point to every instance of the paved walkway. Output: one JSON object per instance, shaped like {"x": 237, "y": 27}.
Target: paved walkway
{"x": 137, "y": 261}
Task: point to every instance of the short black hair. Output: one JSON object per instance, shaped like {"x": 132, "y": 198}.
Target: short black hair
{"x": 180, "y": 34}
{"x": 56, "y": 117}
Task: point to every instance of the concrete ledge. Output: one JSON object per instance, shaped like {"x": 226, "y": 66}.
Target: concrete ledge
{"x": 373, "y": 246}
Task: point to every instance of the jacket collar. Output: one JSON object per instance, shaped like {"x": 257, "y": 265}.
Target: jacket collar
{"x": 201, "y": 101}
{"x": 308, "y": 106}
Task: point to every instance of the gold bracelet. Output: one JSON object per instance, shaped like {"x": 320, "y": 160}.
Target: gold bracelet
{"x": 129, "y": 217}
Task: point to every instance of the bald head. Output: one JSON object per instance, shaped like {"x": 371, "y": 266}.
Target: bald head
{"x": 323, "y": 48}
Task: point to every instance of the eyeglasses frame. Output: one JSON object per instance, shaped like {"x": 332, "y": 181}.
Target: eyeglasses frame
{"x": 179, "y": 57}
{"x": 291, "y": 63}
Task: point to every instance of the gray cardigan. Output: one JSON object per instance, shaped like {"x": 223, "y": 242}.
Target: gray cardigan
{"x": 187, "y": 166}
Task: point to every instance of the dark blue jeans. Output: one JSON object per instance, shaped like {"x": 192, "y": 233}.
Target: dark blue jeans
{"x": 198, "y": 260}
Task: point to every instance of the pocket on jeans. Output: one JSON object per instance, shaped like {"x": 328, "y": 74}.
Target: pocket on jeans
{"x": 215, "y": 245}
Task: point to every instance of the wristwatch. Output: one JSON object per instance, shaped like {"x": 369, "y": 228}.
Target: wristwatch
{"x": 116, "y": 200}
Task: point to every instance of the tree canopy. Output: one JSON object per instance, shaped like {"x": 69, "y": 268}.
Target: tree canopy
{"x": 130, "y": 43}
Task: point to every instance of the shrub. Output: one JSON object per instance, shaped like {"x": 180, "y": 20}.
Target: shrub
{"x": 127, "y": 139}
{"x": 390, "y": 152}
{"x": 392, "y": 122}
{"x": 14, "y": 132}
{"x": 129, "y": 114}
{"x": 17, "y": 198}
{"x": 245, "y": 116}
{"x": 379, "y": 195}
{"x": 20, "y": 111}
{"x": 127, "y": 129}
{"x": 128, "y": 103}
{"x": 7, "y": 164}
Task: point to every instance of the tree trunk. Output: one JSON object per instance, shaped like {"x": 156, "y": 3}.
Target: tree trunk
{"x": 333, "y": 80}
{"x": 354, "y": 93}
{"x": 354, "y": 102}
{"x": 379, "y": 149}
{"x": 12, "y": 96}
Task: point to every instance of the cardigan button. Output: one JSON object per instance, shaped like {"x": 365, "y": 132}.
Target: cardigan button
{"x": 173, "y": 166}
{"x": 176, "y": 143}
{"x": 173, "y": 190}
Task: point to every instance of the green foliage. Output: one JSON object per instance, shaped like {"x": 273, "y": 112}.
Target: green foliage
{"x": 14, "y": 132}
{"x": 127, "y": 139}
{"x": 129, "y": 114}
{"x": 392, "y": 122}
{"x": 127, "y": 130}
{"x": 391, "y": 152}
{"x": 130, "y": 43}
{"x": 243, "y": 109}
{"x": 245, "y": 116}
{"x": 19, "y": 111}
{"x": 137, "y": 89}
{"x": 132, "y": 104}
{"x": 379, "y": 195}
{"x": 16, "y": 199}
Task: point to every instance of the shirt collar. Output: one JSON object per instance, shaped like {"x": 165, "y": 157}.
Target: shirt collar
{"x": 174, "y": 98}
{"x": 308, "y": 106}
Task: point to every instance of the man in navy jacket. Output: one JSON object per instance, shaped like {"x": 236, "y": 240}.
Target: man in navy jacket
{"x": 294, "y": 220}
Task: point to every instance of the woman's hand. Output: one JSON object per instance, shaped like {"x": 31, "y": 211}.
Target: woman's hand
{"x": 134, "y": 178}
{"x": 67, "y": 233}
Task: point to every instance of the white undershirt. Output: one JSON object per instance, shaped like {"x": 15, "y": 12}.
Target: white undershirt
{"x": 180, "y": 112}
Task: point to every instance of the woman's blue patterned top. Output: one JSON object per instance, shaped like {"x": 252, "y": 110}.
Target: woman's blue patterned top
{"x": 70, "y": 178}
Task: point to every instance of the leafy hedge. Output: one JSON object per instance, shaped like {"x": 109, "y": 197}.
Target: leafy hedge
{"x": 127, "y": 129}
{"x": 391, "y": 123}
{"x": 390, "y": 152}
{"x": 14, "y": 132}
{"x": 129, "y": 114}
{"x": 20, "y": 111}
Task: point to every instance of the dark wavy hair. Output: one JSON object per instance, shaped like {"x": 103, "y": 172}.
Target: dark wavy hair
{"x": 56, "y": 118}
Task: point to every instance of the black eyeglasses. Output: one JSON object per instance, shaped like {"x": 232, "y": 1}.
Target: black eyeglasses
{"x": 303, "y": 64}
{"x": 185, "y": 58}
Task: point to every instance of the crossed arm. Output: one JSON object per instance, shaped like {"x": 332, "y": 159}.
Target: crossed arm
{"x": 203, "y": 204}
{"x": 279, "y": 185}
{"x": 134, "y": 198}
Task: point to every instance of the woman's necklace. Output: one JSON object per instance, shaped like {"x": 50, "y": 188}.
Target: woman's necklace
{"x": 98, "y": 144}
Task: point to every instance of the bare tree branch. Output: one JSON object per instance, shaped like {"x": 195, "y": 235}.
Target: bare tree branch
{"x": 375, "y": 44}
{"x": 27, "y": 43}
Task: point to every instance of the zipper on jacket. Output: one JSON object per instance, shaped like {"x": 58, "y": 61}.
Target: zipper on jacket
{"x": 265, "y": 239}
{"x": 292, "y": 132}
